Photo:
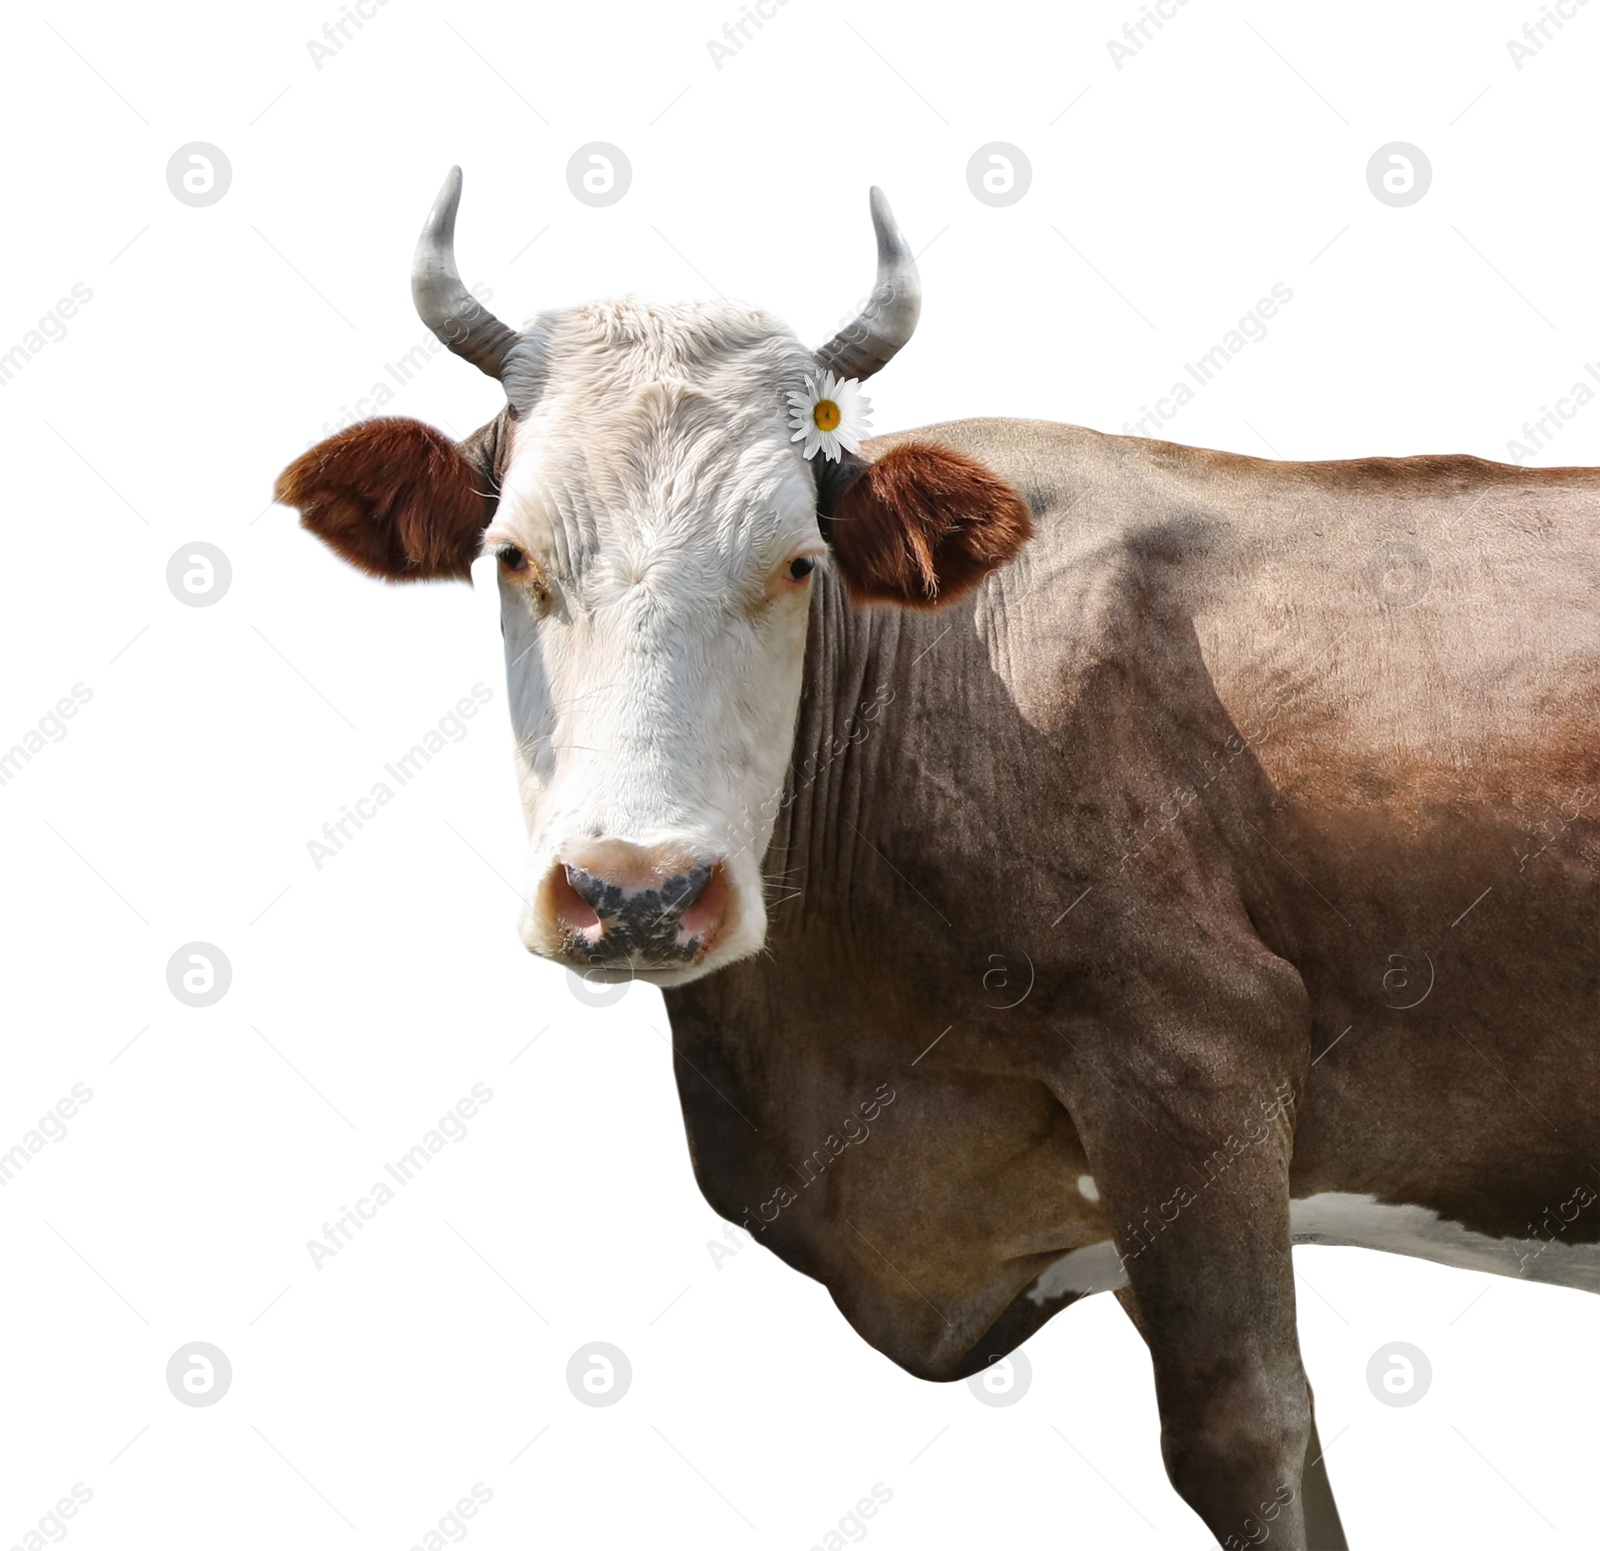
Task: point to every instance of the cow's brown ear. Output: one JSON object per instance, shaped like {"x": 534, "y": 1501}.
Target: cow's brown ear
{"x": 923, "y": 525}
{"x": 396, "y": 498}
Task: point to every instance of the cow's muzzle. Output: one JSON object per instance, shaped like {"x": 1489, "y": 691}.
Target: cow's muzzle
{"x": 616, "y": 905}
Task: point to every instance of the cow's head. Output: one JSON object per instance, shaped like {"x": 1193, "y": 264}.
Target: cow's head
{"x": 657, "y": 533}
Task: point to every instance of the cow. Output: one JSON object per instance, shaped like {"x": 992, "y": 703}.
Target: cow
{"x": 1071, "y": 862}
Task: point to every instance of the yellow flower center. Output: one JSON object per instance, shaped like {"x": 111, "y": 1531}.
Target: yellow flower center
{"x": 826, "y": 415}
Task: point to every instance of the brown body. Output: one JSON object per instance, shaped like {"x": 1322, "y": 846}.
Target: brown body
{"x": 1236, "y": 843}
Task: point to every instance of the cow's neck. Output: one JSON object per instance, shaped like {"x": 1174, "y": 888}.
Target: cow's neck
{"x": 854, "y": 673}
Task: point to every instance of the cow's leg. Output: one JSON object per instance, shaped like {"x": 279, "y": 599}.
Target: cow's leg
{"x": 1211, "y": 1277}
{"x": 1184, "y": 1104}
{"x": 1324, "y": 1531}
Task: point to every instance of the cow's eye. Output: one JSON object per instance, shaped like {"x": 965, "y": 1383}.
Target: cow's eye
{"x": 512, "y": 558}
{"x": 801, "y": 567}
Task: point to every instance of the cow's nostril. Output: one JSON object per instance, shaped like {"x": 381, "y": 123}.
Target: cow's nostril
{"x": 702, "y": 911}
{"x": 573, "y": 910}
{"x": 677, "y": 894}
{"x": 603, "y": 897}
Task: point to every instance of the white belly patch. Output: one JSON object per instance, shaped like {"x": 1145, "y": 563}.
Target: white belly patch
{"x": 1364, "y": 1222}
{"x": 1094, "y": 1268}
{"x": 1338, "y": 1218}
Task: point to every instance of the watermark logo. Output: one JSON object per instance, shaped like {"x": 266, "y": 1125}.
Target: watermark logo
{"x": 51, "y": 328}
{"x": 1399, "y": 173}
{"x": 1536, "y": 34}
{"x": 401, "y": 372}
{"x": 1538, "y": 434}
{"x": 199, "y": 173}
{"x": 1137, "y": 33}
{"x": 1399, "y": 1374}
{"x": 450, "y": 728}
{"x": 1407, "y": 979}
{"x": 594, "y": 992}
{"x": 449, "y": 1128}
{"x": 1556, "y": 1221}
{"x": 336, "y": 34}
{"x": 599, "y": 1374}
{"x": 50, "y": 1526}
{"x": 719, "y": 1252}
{"x": 1276, "y": 1116}
{"x": 50, "y": 1127}
{"x": 737, "y": 32}
{"x": 850, "y": 1526}
{"x": 857, "y": 1131}
{"x": 199, "y": 1374}
{"x": 199, "y": 974}
{"x": 1251, "y": 329}
{"x": 1005, "y": 1382}
{"x": 199, "y": 574}
{"x": 999, "y": 173}
{"x": 599, "y": 173}
{"x": 449, "y": 1526}
{"x": 1005, "y": 986}
{"x": 52, "y": 726}
{"x": 1400, "y": 574}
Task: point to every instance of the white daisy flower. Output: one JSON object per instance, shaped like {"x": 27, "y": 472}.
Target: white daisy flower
{"x": 831, "y": 413}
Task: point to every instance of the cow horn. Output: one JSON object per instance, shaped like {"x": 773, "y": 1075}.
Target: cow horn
{"x": 460, "y": 321}
{"x": 887, "y": 321}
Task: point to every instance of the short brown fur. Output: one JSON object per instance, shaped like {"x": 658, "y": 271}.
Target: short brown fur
{"x": 394, "y": 497}
{"x": 923, "y": 525}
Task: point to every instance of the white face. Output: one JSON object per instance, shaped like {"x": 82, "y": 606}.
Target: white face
{"x": 656, "y": 532}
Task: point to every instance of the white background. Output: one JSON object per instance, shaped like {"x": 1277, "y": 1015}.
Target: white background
{"x": 369, "y": 995}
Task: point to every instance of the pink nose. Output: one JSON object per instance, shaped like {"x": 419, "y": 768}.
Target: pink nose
{"x": 612, "y": 902}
